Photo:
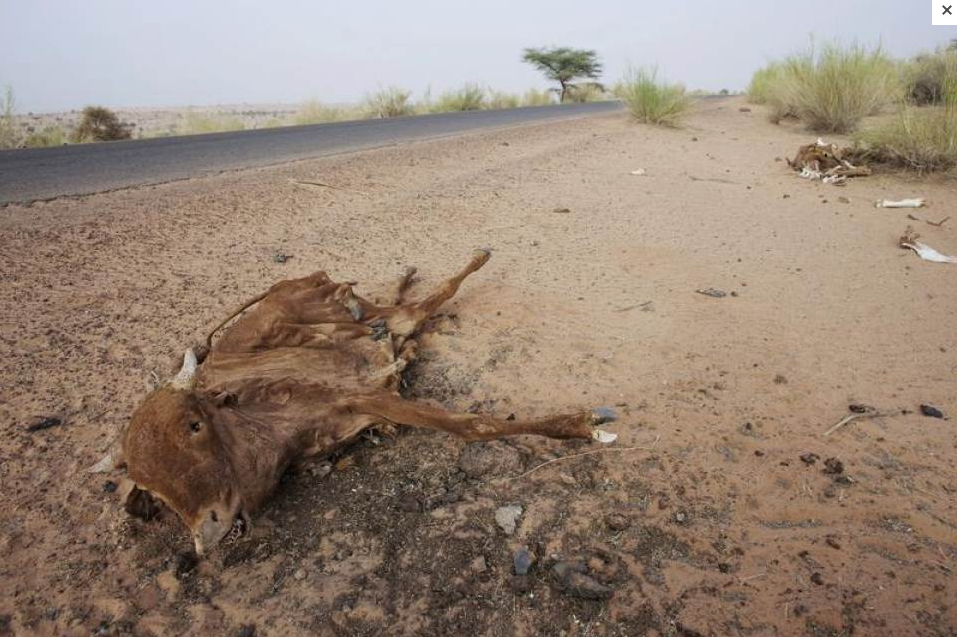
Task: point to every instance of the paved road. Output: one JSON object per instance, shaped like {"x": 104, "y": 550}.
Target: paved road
{"x": 44, "y": 173}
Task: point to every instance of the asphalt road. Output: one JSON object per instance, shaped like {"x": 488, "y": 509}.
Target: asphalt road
{"x": 45, "y": 173}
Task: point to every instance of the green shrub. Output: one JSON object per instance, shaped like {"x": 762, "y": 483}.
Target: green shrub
{"x": 315, "y": 112}
{"x": 917, "y": 138}
{"x": 9, "y": 136}
{"x": 100, "y": 124}
{"x": 470, "y": 97}
{"x": 834, "y": 89}
{"x": 761, "y": 82}
{"x": 388, "y": 102}
{"x": 581, "y": 93}
{"x": 926, "y": 76}
{"x": 48, "y": 136}
{"x": 535, "y": 97}
{"x": 501, "y": 99}
{"x": 650, "y": 100}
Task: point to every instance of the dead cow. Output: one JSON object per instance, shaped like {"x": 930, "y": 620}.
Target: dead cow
{"x": 827, "y": 162}
{"x": 301, "y": 374}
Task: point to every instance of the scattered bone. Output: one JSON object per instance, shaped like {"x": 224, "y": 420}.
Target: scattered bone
{"x": 641, "y": 172}
{"x": 827, "y": 163}
{"x": 909, "y": 241}
{"x": 903, "y": 203}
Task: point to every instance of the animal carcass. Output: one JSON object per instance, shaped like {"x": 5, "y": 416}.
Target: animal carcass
{"x": 302, "y": 373}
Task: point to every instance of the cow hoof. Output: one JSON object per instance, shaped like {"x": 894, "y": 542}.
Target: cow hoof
{"x": 483, "y": 253}
{"x": 601, "y": 415}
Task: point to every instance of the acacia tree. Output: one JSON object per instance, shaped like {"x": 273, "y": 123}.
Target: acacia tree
{"x": 563, "y": 64}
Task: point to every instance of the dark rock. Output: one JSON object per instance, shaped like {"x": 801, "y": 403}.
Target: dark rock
{"x": 931, "y": 411}
{"x": 522, "y": 561}
{"x": 109, "y": 486}
{"x": 712, "y": 292}
{"x": 561, "y": 210}
{"x": 573, "y": 580}
{"x": 833, "y": 466}
{"x": 858, "y": 408}
{"x": 817, "y": 578}
{"x": 247, "y": 630}
{"x": 832, "y": 543}
{"x": 809, "y": 458}
{"x": 724, "y": 567}
{"x": 45, "y": 423}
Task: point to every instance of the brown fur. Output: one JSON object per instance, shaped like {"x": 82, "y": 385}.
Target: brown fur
{"x": 301, "y": 374}
{"x": 829, "y": 160}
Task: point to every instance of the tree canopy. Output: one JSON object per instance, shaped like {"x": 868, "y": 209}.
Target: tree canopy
{"x": 564, "y": 64}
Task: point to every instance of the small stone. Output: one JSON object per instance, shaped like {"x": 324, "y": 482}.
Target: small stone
{"x": 507, "y": 517}
{"x": 281, "y": 257}
{"x": 567, "y": 480}
{"x": 858, "y": 408}
{"x": 574, "y": 581}
{"x": 724, "y": 567}
{"x": 809, "y": 458}
{"x": 833, "y": 466}
{"x": 817, "y": 578}
{"x": 694, "y": 139}
{"x": 617, "y": 522}
{"x": 712, "y": 292}
{"x": 185, "y": 562}
{"x": 299, "y": 575}
{"x": 744, "y": 109}
{"x": 522, "y": 561}
{"x": 320, "y": 469}
{"x": 561, "y": 210}
{"x": 247, "y": 630}
{"x": 931, "y": 412}
{"x": 786, "y": 196}
{"x": 681, "y": 517}
{"x": 109, "y": 486}
{"x": 409, "y": 503}
{"x": 843, "y": 199}
{"x": 834, "y": 544}
{"x": 478, "y": 565}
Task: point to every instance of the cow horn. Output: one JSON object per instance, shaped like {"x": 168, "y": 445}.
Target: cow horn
{"x": 186, "y": 377}
{"x": 114, "y": 459}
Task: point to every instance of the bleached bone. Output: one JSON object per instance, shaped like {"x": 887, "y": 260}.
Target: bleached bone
{"x": 903, "y": 203}
{"x": 927, "y": 253}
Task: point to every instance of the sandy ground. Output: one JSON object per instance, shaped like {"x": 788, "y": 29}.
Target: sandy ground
{"x": 719, "y": 528}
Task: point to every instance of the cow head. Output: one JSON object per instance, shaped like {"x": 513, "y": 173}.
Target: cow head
{"x": 173, "y": 452}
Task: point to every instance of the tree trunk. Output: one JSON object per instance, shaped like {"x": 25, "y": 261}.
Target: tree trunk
{"x": 561, "y": 98}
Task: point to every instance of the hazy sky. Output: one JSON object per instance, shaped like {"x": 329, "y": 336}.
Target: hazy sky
{"x": 62, "y": 54}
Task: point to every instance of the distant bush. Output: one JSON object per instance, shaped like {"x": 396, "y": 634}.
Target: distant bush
{"x": 388, "y": 102}
{"x": 315, "y": 112}
{"x": 650, "y": 100}
{"x": 201, "y": 123}
{"x": 589, "y": 92}
{"x": 9, "y": 137}
{"x": 470, "y": 97}
{"x": 501, "y": 99}
{"x": 99, "y": 124}
{"x": 926, "y": 76}
{"x": 48, "y": 136}
{"x": 831, "y": 90}
{"x": 535, "y": 97}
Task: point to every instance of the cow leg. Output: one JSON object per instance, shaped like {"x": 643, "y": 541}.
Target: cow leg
{"x": 406, "y": 319}
{"x": 479, "y": 426}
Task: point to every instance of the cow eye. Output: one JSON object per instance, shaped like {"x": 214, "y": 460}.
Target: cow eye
{"x": 195, "y": 426}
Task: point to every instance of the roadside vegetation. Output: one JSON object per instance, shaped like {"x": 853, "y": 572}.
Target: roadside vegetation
{"x": 651, "y": 100}
{"x": 899, "y": 113}
{"x": 564, "y": 65}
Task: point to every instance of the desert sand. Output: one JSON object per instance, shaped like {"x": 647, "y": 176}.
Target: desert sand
{"x": 702, "y": 519}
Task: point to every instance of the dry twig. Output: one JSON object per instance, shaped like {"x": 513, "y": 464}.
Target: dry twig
{"x": 579, "y": 455}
